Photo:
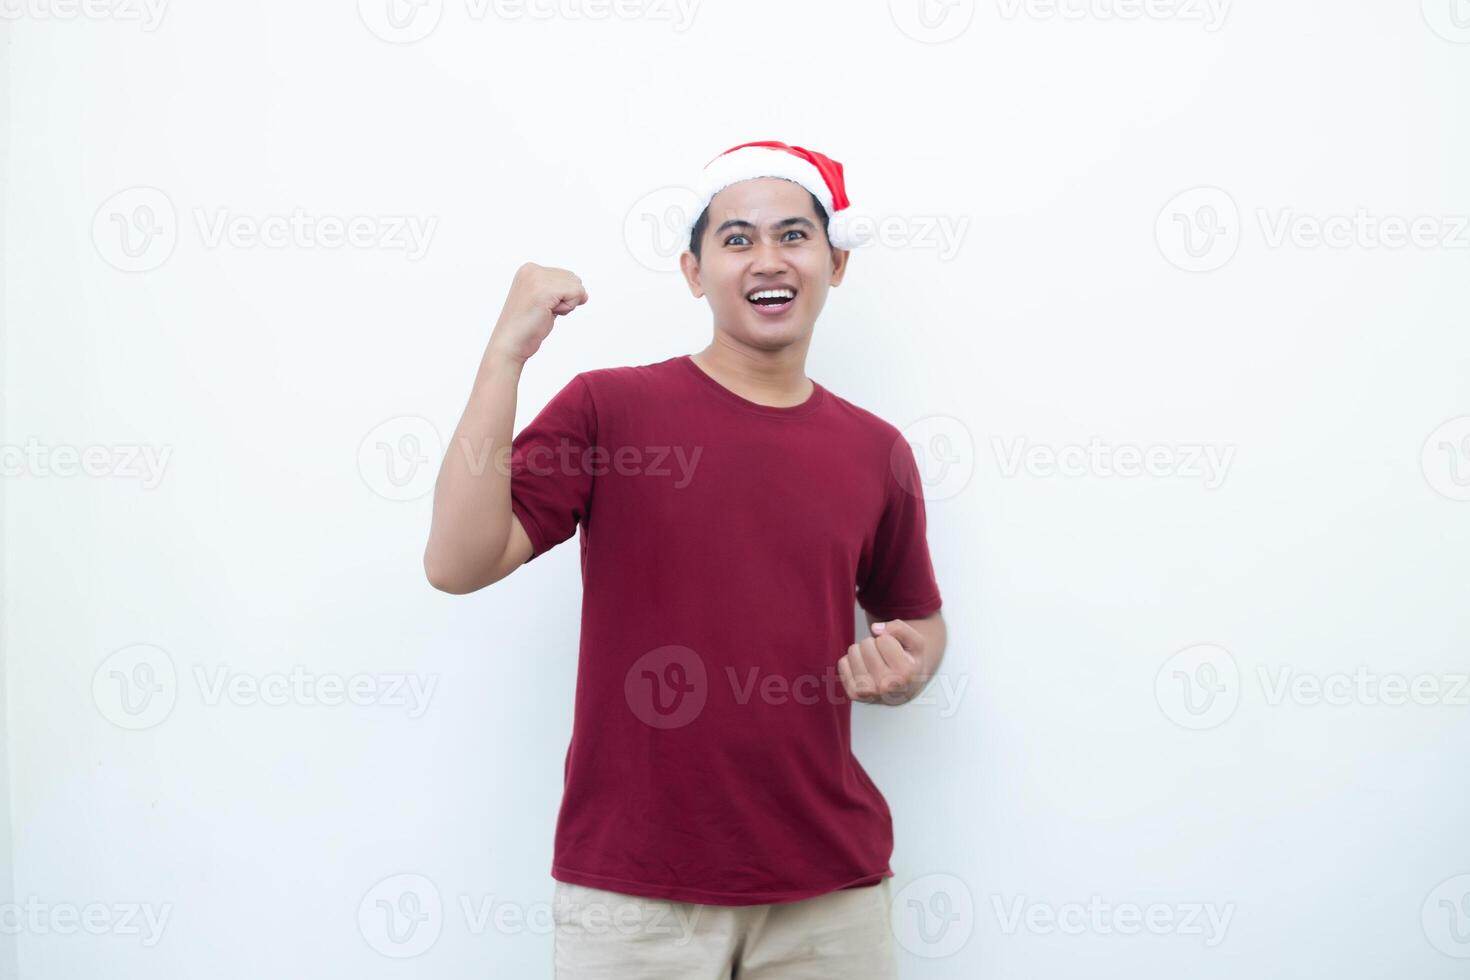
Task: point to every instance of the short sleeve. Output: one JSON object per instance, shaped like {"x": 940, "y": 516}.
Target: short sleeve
{"x": 898, "y": 581}
{"x": 551, "y": 476}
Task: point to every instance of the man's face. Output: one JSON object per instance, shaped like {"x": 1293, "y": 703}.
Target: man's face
{"x": 764, "y": 235}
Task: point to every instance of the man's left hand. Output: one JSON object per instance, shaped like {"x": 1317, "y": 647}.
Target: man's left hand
{"x": 884, "y": 668}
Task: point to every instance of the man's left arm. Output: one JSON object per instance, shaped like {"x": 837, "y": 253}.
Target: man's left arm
{"x": 895, "y": 663}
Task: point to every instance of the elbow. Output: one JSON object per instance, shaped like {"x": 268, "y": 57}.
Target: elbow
{"x": 446, "y": 578}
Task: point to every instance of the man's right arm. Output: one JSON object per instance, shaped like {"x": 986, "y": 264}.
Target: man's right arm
{"x": 475, "y": 539}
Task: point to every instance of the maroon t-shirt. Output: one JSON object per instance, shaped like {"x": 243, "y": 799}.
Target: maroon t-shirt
{"x": 723, "y": 543}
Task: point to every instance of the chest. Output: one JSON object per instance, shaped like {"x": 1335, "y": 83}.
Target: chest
{"x": 790, "y": 490}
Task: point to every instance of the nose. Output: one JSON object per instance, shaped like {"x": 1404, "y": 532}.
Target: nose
{"x": 766, "y": 260}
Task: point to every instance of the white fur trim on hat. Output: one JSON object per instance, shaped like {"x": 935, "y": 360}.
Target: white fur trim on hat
{"x": 750, "y": 162}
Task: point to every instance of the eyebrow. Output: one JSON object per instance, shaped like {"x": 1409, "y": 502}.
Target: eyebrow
{"x": 783, "y": 223}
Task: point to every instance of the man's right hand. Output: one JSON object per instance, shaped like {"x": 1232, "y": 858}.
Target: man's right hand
{"x": 538, "y": 295}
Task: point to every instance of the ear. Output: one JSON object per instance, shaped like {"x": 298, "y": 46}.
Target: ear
{"x": 689, "y": 265}
{"x": 839, "y": 265}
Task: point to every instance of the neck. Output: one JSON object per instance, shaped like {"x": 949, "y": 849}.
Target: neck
{"x": 769, "y": 377}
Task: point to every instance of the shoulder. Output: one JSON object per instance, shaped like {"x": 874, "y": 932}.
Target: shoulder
{"x": 627, "y": 374}
{"x": 610, "y": 387}
{"x": 869, "y": 426}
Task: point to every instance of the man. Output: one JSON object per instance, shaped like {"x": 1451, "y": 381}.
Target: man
{"x": 715, "y": 822}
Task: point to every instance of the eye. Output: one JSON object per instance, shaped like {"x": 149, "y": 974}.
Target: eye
{"x": 735, "y": 236}
{"x": 794, "y": 231}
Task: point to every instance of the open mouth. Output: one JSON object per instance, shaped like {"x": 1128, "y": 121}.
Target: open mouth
{"x": 771, "y": 302}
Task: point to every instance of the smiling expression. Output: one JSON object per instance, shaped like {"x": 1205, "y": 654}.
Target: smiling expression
{"x": 765, "y": 263}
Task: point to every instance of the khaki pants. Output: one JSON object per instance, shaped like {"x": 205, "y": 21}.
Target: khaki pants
{"x": 604, "y": 935}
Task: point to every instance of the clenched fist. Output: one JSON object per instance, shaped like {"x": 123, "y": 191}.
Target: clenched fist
{"x": 884, "y": 668}
{"x": 538, "y": 295}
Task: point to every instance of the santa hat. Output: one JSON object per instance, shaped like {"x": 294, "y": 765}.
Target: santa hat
{"x": 767, "y": 158}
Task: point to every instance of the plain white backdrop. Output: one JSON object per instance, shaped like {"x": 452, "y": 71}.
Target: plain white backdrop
{"x": 1170, "y": 298}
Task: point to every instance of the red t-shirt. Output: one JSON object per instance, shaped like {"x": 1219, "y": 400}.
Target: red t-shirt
{"x": 723, "y": 543}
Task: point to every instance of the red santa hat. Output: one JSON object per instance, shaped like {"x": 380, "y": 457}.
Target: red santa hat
{"x": 768, "y": 158}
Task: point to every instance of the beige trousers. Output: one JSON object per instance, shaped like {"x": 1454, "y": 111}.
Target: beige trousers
{"x": 604, "y": 935}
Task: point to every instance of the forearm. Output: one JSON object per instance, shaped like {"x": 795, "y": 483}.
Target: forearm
{"x": 472, "y": 514}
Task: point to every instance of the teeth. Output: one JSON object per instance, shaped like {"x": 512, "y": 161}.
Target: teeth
{"x": 772, "y": 294}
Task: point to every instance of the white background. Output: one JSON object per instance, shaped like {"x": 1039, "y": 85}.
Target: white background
{"x": 1076, "y": 763}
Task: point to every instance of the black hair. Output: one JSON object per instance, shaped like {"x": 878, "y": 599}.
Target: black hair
{"x": 697, "y": 234}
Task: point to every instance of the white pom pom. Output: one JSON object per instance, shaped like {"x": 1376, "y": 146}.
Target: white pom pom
{"x": 850, "y": 228}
